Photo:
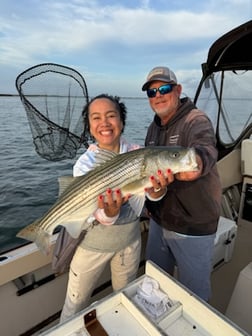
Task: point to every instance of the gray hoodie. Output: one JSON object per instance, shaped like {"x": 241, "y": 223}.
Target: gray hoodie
{"x": 191, "y": 208}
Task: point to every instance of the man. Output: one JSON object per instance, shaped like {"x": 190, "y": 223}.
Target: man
{"x": 184, "y": 222}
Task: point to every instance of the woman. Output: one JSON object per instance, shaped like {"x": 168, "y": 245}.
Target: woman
{"x": 119, "y": 245}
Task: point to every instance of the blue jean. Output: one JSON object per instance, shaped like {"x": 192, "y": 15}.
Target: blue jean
{"x": 191, "y": 254}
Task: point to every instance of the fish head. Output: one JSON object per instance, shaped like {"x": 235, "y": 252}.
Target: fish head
{"x": 177, "y": 159}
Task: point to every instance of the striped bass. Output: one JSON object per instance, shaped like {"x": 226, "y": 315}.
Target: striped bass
{"x": 129, "y": 172}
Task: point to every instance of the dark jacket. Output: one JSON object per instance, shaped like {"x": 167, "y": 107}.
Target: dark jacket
{"x": 191, "y": 208}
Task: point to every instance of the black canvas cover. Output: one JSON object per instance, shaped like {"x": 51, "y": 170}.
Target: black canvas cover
{"x": 232, "y": 51}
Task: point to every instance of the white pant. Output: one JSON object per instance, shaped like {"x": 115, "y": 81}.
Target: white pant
{"x": 86, "y": 268}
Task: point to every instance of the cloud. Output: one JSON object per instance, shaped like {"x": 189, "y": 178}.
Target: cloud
{"x": 111, "y": 39}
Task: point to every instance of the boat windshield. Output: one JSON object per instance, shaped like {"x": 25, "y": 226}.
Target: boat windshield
{"x": 227, "y": 96}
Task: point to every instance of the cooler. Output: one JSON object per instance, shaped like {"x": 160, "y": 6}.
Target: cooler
{"x": 224, "y": 241}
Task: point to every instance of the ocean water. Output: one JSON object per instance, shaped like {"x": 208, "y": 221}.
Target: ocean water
{"x": 28, "y": 183}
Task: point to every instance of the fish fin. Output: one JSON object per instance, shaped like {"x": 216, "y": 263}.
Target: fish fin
{"x": 33, "y": 233}
{"x": 136, "y": 187}
{"x": 74, "y": 226}
{"x": 77, "y": 222}
{"x": 64, "y": 182}
{"x": 102, "y": 156}
{"x": 137, "y": 203}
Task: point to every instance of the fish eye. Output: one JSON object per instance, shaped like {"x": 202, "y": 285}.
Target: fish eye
{"x": 175, "y": 155}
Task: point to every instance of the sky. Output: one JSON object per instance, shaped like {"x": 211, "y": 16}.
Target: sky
{"x": 114, "y": 43}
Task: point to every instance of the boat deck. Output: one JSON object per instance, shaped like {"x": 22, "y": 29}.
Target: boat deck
{"x": 224, "y": 276}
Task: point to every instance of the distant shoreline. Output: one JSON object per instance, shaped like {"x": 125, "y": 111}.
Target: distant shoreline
{"x": 16, "y": 95}
{"x": 7, "y": 94}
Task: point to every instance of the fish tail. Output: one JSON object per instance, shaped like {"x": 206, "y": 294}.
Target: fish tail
{"x": 35, "y": 234}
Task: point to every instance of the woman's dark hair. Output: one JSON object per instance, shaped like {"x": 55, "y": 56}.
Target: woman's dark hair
{"x": 120, "y": 106}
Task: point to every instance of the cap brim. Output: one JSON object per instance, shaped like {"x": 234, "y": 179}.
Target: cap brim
{"x": 147, "y": 84}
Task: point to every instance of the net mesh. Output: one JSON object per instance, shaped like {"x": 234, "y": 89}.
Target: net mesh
{"x": 53, "y": 96}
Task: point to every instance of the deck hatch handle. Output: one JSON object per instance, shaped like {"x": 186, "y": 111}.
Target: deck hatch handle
{"x": 92, "y": 325}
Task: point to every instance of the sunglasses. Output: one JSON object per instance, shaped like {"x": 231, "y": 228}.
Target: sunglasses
{"x": 163, "y": 89}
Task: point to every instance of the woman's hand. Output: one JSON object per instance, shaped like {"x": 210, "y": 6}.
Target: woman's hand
{"x": 159, "y": 184}
{"x": 111, "y": 202}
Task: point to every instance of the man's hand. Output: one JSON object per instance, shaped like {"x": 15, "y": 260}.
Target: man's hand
{"x": 193, "y": 175}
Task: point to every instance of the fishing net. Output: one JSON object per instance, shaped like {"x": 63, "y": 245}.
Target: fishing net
{"x": 53, "y": 96}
